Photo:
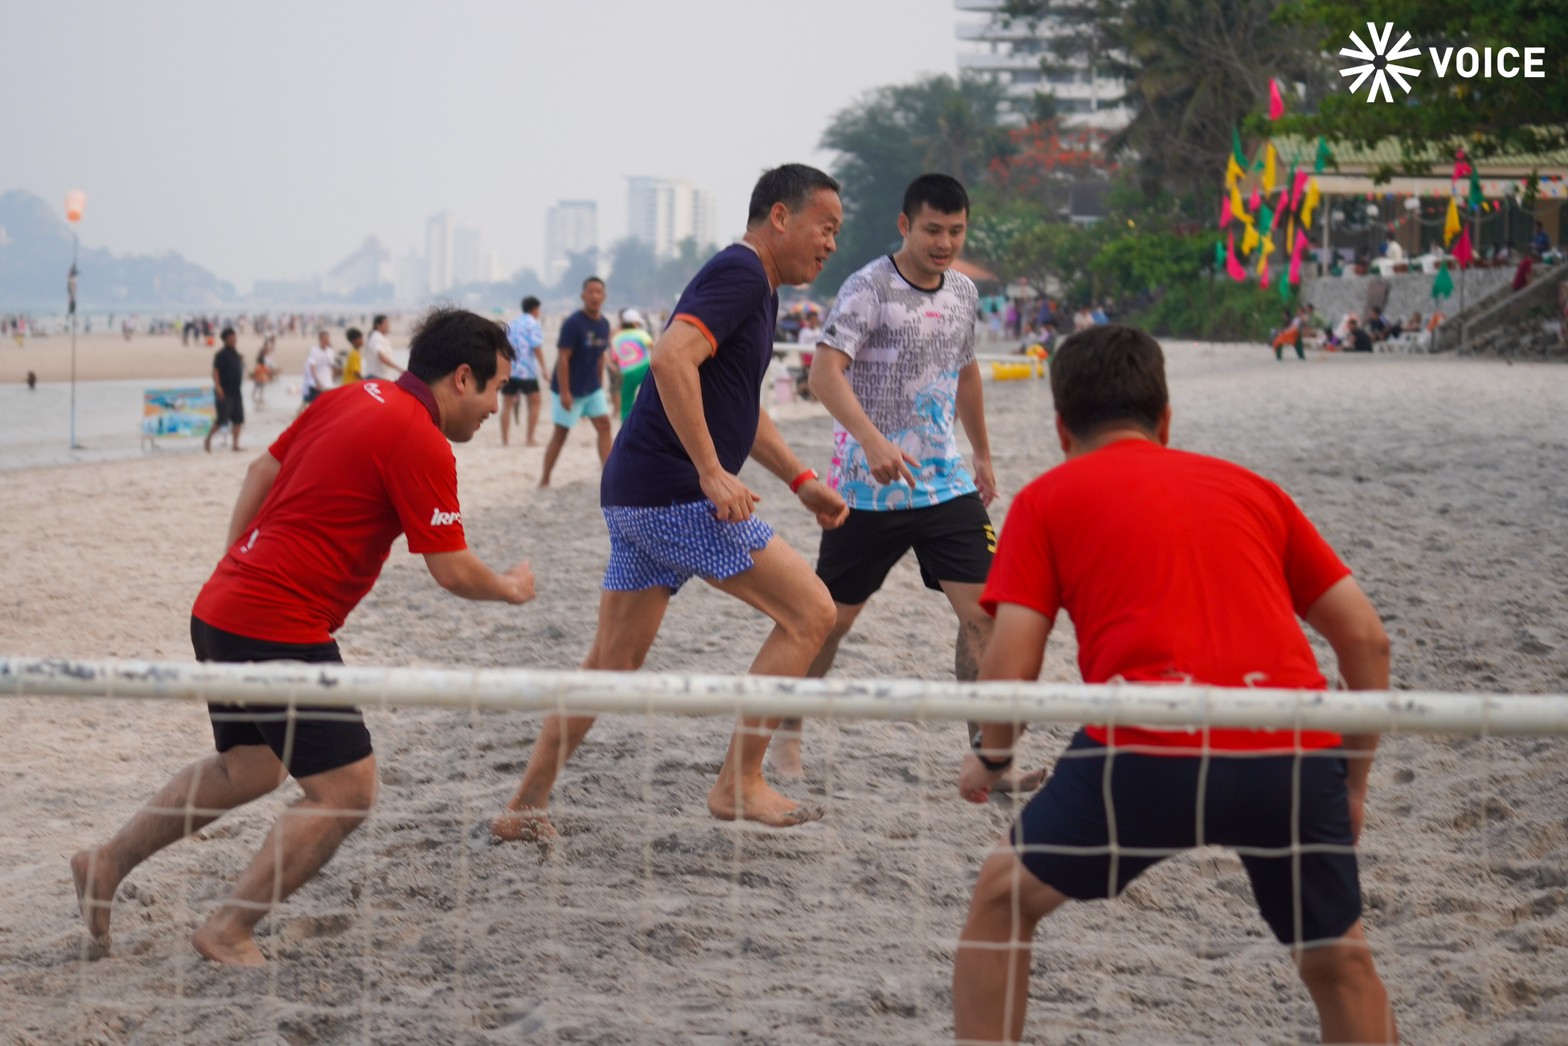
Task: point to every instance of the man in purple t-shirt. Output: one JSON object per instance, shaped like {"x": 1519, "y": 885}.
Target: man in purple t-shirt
{"x": 676, "y": 508}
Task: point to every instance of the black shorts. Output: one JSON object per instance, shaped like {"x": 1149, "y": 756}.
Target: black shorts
{"x": 311, "y": 739}
{"x": 230, "y": 410}
{"x": 520, "y": 387}
{"x": 953, "y": 541}
{"x": 1248, "y": 806}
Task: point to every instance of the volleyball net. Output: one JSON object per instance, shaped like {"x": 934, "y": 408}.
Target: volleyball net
{"x": 653, "y": 922}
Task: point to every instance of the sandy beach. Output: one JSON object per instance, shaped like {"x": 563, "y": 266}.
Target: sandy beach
{"x": 1438, "y": 479}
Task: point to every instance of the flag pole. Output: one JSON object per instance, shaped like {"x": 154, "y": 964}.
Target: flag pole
{"x": 75, "y": 203}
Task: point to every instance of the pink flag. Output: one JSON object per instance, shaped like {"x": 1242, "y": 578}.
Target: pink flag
{"x": 1461, "y": 166}
{"x": 1225, "y": 215}
{"x": 1295, "y": 258}
{"x": 1462, "y": 252}
{"x": 1299, "y": 189}
{"x": 1233, "y": 267}
{"x": 1276, "y": 103}
{"x": 1255, "y": 202}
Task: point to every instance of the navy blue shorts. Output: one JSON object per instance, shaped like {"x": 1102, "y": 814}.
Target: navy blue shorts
{"x": 310, "y": 740}
{"x": 1249, "y": 805}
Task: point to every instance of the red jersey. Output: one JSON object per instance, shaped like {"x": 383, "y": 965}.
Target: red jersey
{"x": 1174, "y": 567}
{"x": 363, "y": 464}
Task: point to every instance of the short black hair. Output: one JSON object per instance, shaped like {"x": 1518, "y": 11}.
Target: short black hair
{"x": 448, "y": 337}
{"x": 592, "y": 279}
{"x": 790, "y": 184}
{"x": 1109, "y": 376}
{"x": 377, "y": 321}
{"x": 530, "y": 303}
{"x": 227, "y": 332}
{"x": 354, "y": 334}
{"x": 940, "y": 192}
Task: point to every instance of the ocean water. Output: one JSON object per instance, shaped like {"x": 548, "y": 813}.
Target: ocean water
{"x": 35, "y": 425}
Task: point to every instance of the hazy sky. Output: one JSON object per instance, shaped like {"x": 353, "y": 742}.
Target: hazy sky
{"x": 266, "y": 140}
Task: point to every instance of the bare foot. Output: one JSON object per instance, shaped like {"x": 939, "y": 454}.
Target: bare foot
{"x": 528, "y": 825}
{"x": 759, "y": 803}
{"x": 95, "y": 886}
{"x": 532, "y": 443}
{"x": 228, "y": 949}
{"x": 784, "y": 757}
{"x": 1021, "y": 781}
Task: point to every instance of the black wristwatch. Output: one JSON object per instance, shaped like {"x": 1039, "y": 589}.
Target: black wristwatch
{"x": 995, "y": 766}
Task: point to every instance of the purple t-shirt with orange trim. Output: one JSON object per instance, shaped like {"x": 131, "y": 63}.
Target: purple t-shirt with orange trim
{"x": 732, "y": 304}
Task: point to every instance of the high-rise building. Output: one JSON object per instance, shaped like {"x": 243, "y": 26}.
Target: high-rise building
{"x": 1018, "y": 53}
{"x": 368, "y": 267}
{"x": 665, "y": 212}
{"x": 467, "y": 257}
{"x": 438, "y": 253}
{"x": 571, "y": 227}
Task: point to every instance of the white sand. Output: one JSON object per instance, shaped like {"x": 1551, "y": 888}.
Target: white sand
{"x": 1438, "y": 479}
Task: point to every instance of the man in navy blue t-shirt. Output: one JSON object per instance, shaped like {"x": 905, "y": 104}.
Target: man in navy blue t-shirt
{"x": 577, "y": 382}
{"x": 676, "y": 508}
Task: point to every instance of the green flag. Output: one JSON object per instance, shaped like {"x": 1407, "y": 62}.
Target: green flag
{"x": 1442, "y": 284}
{"x": 1284, "y": 290}
{"x": 1324, "y": 156}
{"x": 1219, "y": 254}
{"x": 1235, "y": 147}
{"x": 1476, "y": 198}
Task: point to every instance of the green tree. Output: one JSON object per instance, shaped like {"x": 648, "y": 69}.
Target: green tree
{"x": 892, "y": 135}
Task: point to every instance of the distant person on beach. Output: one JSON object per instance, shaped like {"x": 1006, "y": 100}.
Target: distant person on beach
{"x": 897, "y": 392}
{"x": 577, "y": 382}
{"x": 315, "y": 520}
{"x": 265, "y": 370}
{"x": 378, "y": 361}
{"x": 527, "y": 338}
{"x": 1356, "y": 339}
{"x": 228, "y": 374}
{"x": 676, "y": 509}
{"x": 630, "y": 348}
{"x": 318, "y": 369}
{"x": 1174, "y": 568}
{"x": 354, "y": 362}
{"x": 32, "y": 381}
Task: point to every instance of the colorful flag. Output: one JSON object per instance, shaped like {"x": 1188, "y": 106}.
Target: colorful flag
{"x": 1233, "y": 267}
{"x": 1269, "y": 159}
{"x": 1310, "y": 204}
{"x": 1249, "y": 239}
{"x": 1323, "y": 157}
{"x": 1235, "y": 147}
{"x": 1238, "y": 209}
{"x": 1451, "y": 223}
{"x": 1442, "y": 284}
{"x": 1476, "y": 197}
{"x": 1233, "y": 172}
{"x": 1462, "y": 166}
{"x": 1462, "y": 252}
{"x": 1276, "y": 103}
{"x": 1295, "y": 258}
{"x": 1225, "y": 212}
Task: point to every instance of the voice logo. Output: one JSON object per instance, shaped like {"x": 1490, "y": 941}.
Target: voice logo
{"x": 1377, "y": 62}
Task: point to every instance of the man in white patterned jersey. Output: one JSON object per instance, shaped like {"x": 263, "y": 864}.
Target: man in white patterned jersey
{"x": 895, "y": 365}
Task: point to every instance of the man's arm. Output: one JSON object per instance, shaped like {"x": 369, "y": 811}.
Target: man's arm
{"x": 384, "y": 354}
{"x": 217, "y": 383}
{"x": 1346, "y": 618}
{"x": 263, "y": 472}
{"x": 680, "y": 350}
{"x": 1015, "y": 652}
{"x": 465, "y": 574}
{"x": 971, "y": 415}
{"x": 829, "y": 383}
{"x": 772, "y": 453}
{"x": 563, "y": 376}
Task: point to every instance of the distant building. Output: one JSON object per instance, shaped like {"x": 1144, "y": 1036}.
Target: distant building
{"x": 369, "y": 266}
{"x": 571, "y": 227}
{"x": 664, "y": 212}
{"x": 438, "y": 253}
{"x": 467, "y": 258}
{"x": 1019, "y": 55}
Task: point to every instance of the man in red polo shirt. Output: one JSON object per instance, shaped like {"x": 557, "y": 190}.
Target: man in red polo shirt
{"x": 315, "y": 521}
{"x": 1175, "y": 568}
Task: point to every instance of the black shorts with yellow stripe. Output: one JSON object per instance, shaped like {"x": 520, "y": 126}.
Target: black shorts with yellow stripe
{"x": 953, "y": 541}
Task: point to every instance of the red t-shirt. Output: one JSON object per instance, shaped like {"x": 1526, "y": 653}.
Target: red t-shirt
{"x": 1173, "y": 567}
{"x": 363, "y": 464}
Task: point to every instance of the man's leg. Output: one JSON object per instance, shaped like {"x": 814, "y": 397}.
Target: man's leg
{"x": 991, "y": 968}
{"x": 234, "y": 437}
{"x": 303, "y": 839}
{"x": 628, "y": 623}
{"x": 508, "y": 409}
{"x": 552, "y": 451}
{"x": 781, "y": 585}
{"x": 194, "y": 798}
{"x": 786, "y": 748}
{"x": 533, "y": 418}
{"x": 1351, "y": 1000}
{"x": 601, "y": 425}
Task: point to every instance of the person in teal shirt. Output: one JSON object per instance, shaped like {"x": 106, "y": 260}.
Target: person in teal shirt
{"x": 630, "y": 349}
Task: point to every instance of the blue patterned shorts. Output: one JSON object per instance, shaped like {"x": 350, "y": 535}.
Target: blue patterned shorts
{"x": 667, "y": 545}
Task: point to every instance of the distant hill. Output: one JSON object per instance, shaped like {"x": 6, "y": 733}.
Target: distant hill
{"x": 35, "y": 257}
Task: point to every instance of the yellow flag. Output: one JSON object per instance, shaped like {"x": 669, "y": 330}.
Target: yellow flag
{"x": 1237, "y": 208}
{"x": 1232, "y": 172}
{"x": 1451, "y": 224}
{"x": 1268, "y": 168}
{"x": 1249, "y": 239}
{"x": 1263, "y": 255}
{"x": 1309, "y": 204}
{"x": 1290, "y": 237}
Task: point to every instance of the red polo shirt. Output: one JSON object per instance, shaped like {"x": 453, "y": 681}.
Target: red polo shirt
{"x": 1173, "y": 566}
{"x": 363, "y": 464}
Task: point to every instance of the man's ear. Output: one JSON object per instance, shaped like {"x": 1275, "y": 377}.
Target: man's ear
{"x": 1065, "y": 437}
{"x": 1163, "y": 433}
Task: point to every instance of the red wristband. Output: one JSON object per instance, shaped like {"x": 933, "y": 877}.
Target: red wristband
{"x": 801, "y": 480}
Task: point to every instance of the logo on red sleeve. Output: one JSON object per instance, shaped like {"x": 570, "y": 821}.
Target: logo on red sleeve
{"x": 374, "y": 389}
{"x": 441, "y": 519}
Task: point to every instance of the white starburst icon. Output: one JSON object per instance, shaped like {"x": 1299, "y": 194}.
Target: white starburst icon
{"x": 1377, "y": 62}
